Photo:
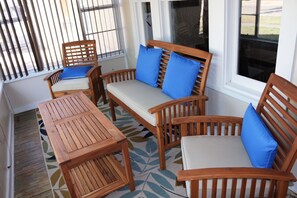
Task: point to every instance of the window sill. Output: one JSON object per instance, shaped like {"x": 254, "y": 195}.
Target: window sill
{"x": 107, "y": 58}
{"x": 33, "y": 74}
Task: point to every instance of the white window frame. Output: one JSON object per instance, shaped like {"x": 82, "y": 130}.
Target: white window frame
{"x": 160, "y": 17}
{"x": 223, "y": 42}
{"x": 248, "y": 87}
{"x": 139, "y": 33}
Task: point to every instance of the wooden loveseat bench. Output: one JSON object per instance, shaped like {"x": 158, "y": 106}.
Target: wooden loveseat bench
{"x": 149, "y": 105}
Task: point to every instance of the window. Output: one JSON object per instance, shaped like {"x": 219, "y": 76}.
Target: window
{"x": 189, "y": 23}
{"x": 177, "y": 21}
{"x": 32, "y": 32}
{"x": 100, "y": 23}
{"x": 224, "y": 44}
{"x": 258, "y": 39}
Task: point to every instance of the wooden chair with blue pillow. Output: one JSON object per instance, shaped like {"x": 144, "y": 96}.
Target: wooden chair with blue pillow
{"x": 81, "y": 72}
{"x": 226, "y": 156}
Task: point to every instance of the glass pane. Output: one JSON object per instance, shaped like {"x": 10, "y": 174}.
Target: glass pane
{"x": 249, "y": 7}
{"x": 189, "y": 23}
{"x": 248, "y": 25}
{"x": 270, "y": 19}
{"x": 258, "y": 40}
{"x": 100, "y": 23}
{"x": 147, "y": 17}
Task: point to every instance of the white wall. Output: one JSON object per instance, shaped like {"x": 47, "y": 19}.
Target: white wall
{"x": 26, "y": 93}
{"x": 287, "y": 40}
{"x": 5, "y": 113}
{"x": 129, "y": 33}
{"x": 112, "y": 64}
{"x": 294, "y": 73}
{"x": 6, "y": 146}
{"x": 222, "y": 104}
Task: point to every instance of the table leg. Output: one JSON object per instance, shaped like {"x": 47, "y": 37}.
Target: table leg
{"x": 65, "y": 171}
{"x": 128, "y": 168}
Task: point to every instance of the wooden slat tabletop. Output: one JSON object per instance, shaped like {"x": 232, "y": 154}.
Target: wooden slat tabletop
{"x": 76, "y": 127}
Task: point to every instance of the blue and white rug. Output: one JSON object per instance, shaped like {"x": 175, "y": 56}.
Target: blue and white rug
{"x": 149, "y": 180}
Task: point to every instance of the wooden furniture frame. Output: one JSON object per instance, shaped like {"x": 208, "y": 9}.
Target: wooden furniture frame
{"x": 278, "y": 108}
{"x": 84, "y": 141}
{"x": 80, "y": 53}
{"x": 167, "y": 136}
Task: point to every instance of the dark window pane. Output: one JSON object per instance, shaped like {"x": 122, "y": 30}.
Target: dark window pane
{"x": 258, "y": 39}
{"x": 189, "y": 23}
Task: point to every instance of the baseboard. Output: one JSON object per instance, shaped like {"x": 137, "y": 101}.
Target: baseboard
{"x": 28, "y": 107}
{"x": 10, "y": 160}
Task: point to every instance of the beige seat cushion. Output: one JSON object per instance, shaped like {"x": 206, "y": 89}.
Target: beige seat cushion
{"x": 213, "y": 152}
{"x": 139, "y": 97}
{"x": 73, "y": 84}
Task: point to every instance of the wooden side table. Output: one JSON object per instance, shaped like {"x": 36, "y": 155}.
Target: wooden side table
{"x": 84, "y": 141}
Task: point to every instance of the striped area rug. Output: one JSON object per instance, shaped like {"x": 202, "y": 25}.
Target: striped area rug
{"x": 150, "y": 181}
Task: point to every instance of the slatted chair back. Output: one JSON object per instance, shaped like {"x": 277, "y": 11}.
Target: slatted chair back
{"x": 79, "y": 53}
{"x": 278, "y": 108}
{"x": 195, "y": 54}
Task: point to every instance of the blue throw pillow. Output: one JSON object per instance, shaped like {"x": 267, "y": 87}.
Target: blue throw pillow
{"x": 257, "y": 139}
{"x": 148, "y": 65}
{"x": 74, "y": 72}
{"x": 180, "y": 76}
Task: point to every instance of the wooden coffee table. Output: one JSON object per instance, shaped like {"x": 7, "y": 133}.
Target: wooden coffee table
{"x": 84, "y": 142}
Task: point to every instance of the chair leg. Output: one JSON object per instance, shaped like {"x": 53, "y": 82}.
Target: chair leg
{"x": 112, "y": 111}
{"x": 282, "y": 189}
{"x": 161, "y": 148}
{"x": 102, "y": 91}
{"x": 94, "y": 100}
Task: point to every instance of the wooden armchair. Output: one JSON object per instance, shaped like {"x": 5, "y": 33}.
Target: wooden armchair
{"x": 78, "y": 53}
{"x": 278, "y": 108}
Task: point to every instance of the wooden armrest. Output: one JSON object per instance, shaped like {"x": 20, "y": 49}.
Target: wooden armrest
{"x": 182, "y": 101}
{"x": 48, "y": 77}
{"x": 209, "y": 125}
{"x": 257, "y": 182}
{"x": 209, "y": 119}
{"x": 117, "y": 72}
{"x": 53, "y": 77}
{"x": 229, "y": 173}
{"x": 119, "y": 75}
{"x": 92, "y": 70}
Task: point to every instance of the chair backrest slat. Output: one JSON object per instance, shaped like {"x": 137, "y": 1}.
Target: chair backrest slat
{"x": 195, "y": 54}
{"x": 79, "y": 53}
{"x": 278, "y": 108}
